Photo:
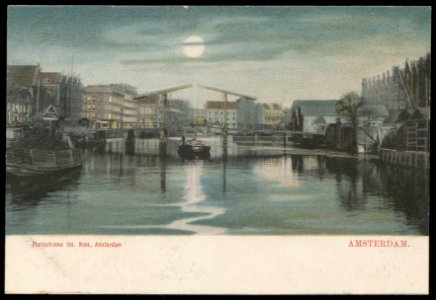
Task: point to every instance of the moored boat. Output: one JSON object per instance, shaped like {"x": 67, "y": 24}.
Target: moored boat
{"x": 192, "y": 149}
{"x": 44, "y": 162}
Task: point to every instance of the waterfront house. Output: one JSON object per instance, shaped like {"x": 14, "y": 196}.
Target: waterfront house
{"x": 312, "y": 116}
{"x": 392, "y": 123}
{"x": 22, "y": 95}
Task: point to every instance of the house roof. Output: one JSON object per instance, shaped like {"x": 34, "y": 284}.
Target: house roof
{"x": 50, "y": 78}
{"x": 150, "y": 99}
{"x": 373, "y": 110}
{"x": 316, "y": 107}
{"x": 417, "y": 115}
{"x": 102, "y": 89}
{"x": 23, "y": 75}
{"x": 220, "y": 105}
{"x": 396, "y": 116}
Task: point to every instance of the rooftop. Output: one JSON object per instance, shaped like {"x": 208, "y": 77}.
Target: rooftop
{"x": 102, "y": 89}
{"x": 23, "y": 75}
{"x": 316, "y": 107}
{"x": 396, "y": 116}
{"x": 373, "y": 110}
{"x": 220, "y": 105}
{"x": 50, "y": 78}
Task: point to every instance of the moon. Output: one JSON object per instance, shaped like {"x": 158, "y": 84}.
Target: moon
{"x": 193, "y": 46}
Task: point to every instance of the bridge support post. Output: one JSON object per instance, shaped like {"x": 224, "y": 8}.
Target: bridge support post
{"x": 284, "y": 139}
{"x": 162, "y": 124}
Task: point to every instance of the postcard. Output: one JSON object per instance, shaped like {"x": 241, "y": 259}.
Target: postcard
{"x": 217, "y": 150}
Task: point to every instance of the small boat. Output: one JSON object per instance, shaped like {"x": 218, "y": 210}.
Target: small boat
{"x": 192, "y": 149}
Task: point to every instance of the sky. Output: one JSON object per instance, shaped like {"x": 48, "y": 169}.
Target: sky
{"x": 276, "y": 54}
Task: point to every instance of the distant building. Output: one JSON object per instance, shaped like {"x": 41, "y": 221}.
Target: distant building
{"x": 177, "y": 112}
{"x": 23, "y": 92}
{"x": 215, "y": 112}
{"x": 199, "y": 116}
{"x": 246, "y": 113}
{"x": 104, "y": 103}
{"x": 273, "y": 114}
{"x": 130, "y": 105}
{"x": 148, "y": 114}
{"x": 313, "y": 116}
{"x": 260, "y": 116}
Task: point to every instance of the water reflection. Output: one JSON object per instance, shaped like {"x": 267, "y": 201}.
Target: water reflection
{"x": 279, "y": 170}
{"x": 192, "y": 203}
{"x": 29, "y": 191}
{"x": 288, "y": 194}
{"x": 407, "y": 190}
{"x": 163, "y": 169}
{"x": 224, "y": 173}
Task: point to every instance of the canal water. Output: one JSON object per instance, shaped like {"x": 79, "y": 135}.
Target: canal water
{"x": 256, "y": 191}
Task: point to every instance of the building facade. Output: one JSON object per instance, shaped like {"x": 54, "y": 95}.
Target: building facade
{"x": 177, "y": 112}
{"x": 130, "y": 104}
{"x": 273, "y": 114}
{"x": 148, "y": 113}
{"x": 63, "y": 92}
{"x": 30, "y": 92}
{"x": 260, "y": 116}
{"x": 246, "y": 113}
{"x": 199, "y": 116}
{"x": 22, "y": 95}
{"x": 104, "y": 103}
{"x": 215, "y": 113}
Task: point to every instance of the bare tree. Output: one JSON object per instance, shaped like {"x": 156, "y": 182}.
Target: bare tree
{"x": 347, "y": 107}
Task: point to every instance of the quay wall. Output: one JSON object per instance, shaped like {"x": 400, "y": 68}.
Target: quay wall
{"x": 405, "y": 158}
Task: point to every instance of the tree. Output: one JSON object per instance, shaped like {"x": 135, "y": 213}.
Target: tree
{"x": 83, "y": 122}
{"x": 347, "y": 107}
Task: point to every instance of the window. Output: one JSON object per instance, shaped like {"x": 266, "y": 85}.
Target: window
{"x": 110, "y": 98}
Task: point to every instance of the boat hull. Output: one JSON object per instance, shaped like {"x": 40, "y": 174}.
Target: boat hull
{"x": 190, "y": 152}
{"x": 28, "y": 171}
